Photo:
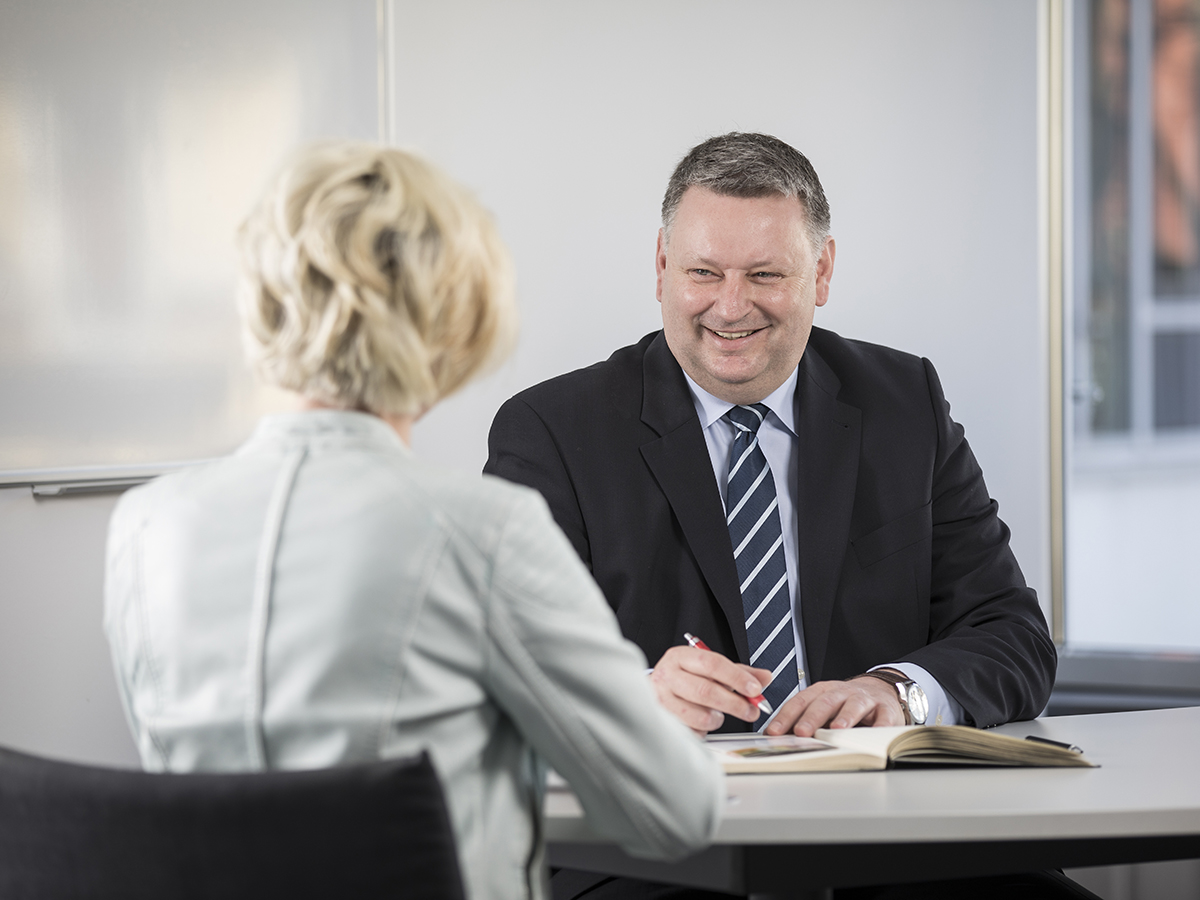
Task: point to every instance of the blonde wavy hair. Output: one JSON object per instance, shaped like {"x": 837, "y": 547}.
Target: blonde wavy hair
{"x": 371, "y": 280}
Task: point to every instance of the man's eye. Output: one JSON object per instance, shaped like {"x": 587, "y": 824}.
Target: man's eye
{"x": 703, "y": 273}
{"x": 767, "y": 276}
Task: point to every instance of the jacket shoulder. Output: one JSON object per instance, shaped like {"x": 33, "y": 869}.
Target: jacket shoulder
{"x": 851, "y": 356}
{"x": 867, "y": 374}
{"x": 615, "y": 381}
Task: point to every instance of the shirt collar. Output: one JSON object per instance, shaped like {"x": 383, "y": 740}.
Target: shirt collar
{"x": 780, "y": 401}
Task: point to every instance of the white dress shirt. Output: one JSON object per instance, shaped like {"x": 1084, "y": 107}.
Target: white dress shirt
{"x": 778, "y": 439}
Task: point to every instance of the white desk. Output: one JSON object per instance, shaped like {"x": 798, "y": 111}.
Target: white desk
{"x": 798, "y": 834}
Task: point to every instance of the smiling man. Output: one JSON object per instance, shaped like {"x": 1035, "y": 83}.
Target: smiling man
{"x": 800, "y": 501}
{"x": 739, "y": 281}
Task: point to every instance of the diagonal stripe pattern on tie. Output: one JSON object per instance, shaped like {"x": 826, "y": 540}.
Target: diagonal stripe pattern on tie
{"x": 754, "y": 528}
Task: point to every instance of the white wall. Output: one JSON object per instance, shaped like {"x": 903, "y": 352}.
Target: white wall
{"x": 567, "y": 119}
{"x": 920, "y": 118}
{"x": 57, "y": 694}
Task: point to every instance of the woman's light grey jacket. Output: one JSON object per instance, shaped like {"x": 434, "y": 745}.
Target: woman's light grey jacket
{"x": 324, "y": 597}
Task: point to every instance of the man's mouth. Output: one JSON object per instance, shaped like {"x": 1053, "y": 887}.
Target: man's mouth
{"x": 733, "y": 335}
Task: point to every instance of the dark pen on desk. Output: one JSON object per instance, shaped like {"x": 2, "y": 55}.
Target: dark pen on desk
{"x": 1063, "y": 744}
{"x": 760, "y": 701}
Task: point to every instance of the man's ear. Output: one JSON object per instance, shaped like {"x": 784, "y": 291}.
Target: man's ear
{"x": 825, "y": 271}
{"x": 660, "y": 263}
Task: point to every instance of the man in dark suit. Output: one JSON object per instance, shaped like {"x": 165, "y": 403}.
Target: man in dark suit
{"x": 802, "y": 502}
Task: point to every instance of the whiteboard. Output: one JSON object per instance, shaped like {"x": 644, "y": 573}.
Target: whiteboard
{"x": 133, "y": 138}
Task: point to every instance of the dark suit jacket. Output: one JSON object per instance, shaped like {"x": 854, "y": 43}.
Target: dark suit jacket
{"x": 902, "y": 556}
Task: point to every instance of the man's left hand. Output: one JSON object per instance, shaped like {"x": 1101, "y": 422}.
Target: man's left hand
{"x": 839, "y": 704}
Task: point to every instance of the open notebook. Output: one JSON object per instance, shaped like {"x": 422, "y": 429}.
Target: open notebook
{"x": 851, "y": 749}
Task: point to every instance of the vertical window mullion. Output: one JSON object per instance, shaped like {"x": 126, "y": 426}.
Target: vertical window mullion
{"x": 1141, "y": 218}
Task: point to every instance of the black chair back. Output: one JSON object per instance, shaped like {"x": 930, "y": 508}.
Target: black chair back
{"x": 69, "y": 832}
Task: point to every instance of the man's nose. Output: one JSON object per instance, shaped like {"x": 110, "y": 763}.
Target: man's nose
{"x": 733, "y": 300}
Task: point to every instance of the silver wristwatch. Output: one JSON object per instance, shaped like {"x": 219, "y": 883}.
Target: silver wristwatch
{"x": 912, "y": 699}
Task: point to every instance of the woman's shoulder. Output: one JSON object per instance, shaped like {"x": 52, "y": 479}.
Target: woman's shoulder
{"x": 162, "y": 490}
{"x": 470, "y": 501}
{"x": 388, "y": 493}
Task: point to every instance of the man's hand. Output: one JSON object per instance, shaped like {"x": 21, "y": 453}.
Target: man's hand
{"x": 839, "y": 704}
{"x": 700, "y": 687}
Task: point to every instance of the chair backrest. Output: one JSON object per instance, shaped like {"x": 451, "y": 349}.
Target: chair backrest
{"x": 69, "y": 832}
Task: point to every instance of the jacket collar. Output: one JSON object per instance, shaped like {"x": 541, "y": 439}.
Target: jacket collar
{"x": 328, "y": 426}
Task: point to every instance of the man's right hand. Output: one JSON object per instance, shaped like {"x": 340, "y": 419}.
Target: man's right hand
{"x": 701, "y": 687}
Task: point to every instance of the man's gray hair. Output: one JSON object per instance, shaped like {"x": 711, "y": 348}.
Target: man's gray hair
{"x": 741, "y": 164}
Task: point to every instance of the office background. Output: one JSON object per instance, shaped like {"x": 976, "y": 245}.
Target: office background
{"x": 134, "y": 134}
{"x": 920, "y": 118}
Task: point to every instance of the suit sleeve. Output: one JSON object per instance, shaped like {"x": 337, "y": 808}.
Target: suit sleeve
{"x": 989, "y": 645}
{"x": 521, "y": 449}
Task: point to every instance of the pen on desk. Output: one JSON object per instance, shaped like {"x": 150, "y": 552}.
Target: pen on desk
{"x": 1063, "y": 744}
{"x": 760, "y": 701}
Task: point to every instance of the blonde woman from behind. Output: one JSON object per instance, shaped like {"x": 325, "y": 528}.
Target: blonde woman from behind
{"x": 324, "y": 597}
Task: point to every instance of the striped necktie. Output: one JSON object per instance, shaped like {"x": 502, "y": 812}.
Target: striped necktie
{"x": 754, "y": 528}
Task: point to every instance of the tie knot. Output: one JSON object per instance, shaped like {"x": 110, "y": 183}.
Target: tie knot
{"x": 748, "y": 418}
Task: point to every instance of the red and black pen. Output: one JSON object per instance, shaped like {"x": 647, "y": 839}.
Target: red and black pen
{"x": 760, "y": 701}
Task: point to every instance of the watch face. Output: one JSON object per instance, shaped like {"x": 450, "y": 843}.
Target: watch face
{"x": 918, "y": 703}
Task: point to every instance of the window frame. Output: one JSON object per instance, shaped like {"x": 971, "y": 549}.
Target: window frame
{"x": 1094, "y": 681}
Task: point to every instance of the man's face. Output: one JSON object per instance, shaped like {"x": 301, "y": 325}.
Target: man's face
{"x": 739, "y": 284}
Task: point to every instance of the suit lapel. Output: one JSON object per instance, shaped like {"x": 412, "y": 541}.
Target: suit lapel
{"x": 829, "y": 439}
{"x": 680, "y": 463}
